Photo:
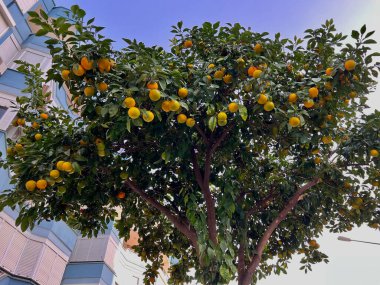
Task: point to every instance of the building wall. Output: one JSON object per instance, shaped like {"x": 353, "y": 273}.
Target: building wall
{"x": 52, "y": 253}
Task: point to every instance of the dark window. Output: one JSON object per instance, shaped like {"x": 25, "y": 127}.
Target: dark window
{"x": 2, "y": 111}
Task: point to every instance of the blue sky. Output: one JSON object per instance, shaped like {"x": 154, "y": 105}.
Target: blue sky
{"x": 150, "y": 21}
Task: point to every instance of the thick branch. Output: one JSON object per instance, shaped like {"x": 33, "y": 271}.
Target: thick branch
{"x": 182, "y": 225}
{"x": 272, "y": 227}
{"x": 202, "y": 134}
{"x": 197, "y": 170}
{"x": 261, "y": 205}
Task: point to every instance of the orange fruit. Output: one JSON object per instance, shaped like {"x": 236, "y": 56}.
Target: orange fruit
{"x": 181, "y": 118}
{"x": 89, "y": 91}
{"x": 350, "y": 65}
{"x": 258, "y": 48}
{"x": 37, "y": 137}
{"x": 222, "y": 123}
{"x": 233, "y": 107}
{"x": 262, "y": 99}
{"x": 211, "y": 65}
{"x": 35, "y": 125}
{"x": 269, "y": 106}
{"x": 183, "y": 92}
{"x": 120, "y": 195}
{"x": 219, "y": 74}
{"x": 65, "y": 74}
{"x": 190, "y": 122}
{"x": 41, "y": 184}
{"x": 329, "y": 86}
{"x": 78, "y": 70}
{"x": 104, "y": 65}
{"x": 329, "y": 71}
{"x": 257, "y": 73}
{"x": 174, "y": 105}
{"x": 54, "y": 174}
{"x": 329, "y": 117}
{"x": 292, "y": 98}
{"x": 60, "y": 164}
{"x": 129, "y": 102}
{"x": 66, "y": 166}
{"x": 294, "y": 122}
{"x": 308, "y": 104}
{"x": 313, "y": 92}
{"x": 44, "y": 116}
{"x": 86, "y": 63}
{"x": 353, "y": 94}
{"x": 134, "y": 113}
{"x": 313, "y": 243}
{"x": 148, "y": 116}
{"x": 317, "y": 160}
{"x": 102, "y": 86}
{"x": 152, "y": 85}
{"x": 227, "y": 78}
{"x": 165, "y": 106}
{"x": 154, "y": 94}
{"x": 21, "y": 121}
{"x": 188, "y": 44}
{"x": 222, "y": 116}
{"x": 251, "y": 70}
{"x": 374, "y": 152}
{"x": 30, "y": 185}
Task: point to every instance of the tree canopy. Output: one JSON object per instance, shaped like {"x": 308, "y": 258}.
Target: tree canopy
{"x": 230, "y": 153}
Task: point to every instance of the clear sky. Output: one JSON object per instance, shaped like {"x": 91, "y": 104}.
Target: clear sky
{"x": 150, "y": 21}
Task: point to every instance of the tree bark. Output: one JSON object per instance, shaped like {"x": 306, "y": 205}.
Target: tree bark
{"x": 255, "y": 261}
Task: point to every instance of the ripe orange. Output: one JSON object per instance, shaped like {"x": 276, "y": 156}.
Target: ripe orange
{"x": 353, "y": 94}
{"x": 60, "y": 164}
{"x": 251, "y": 70}
{"x": 308, "y": 104}
{"x": 227, "y": 78}
{"x": 152, "y": 85}
{"x": 262, "y": 99}
{"x": 329, "y": 71}
{"x": 292, "y": 98}
{"x": 257, "y": 73}
{"x": 313, "y": 243}
{"x": 374, "y": 152}
{"x": 21, "y": 121}
{"x": 350, "y": 65}
{"x": 54, "y": 174}
{"x": 65, "y": 74}
{"x": 129, "y": 102}
{"x": 317, "y": 160}
{"x": 329, "y": 117}
{"x": 165, "y": 106}
{"x": 19, "y": 147}
{"x": 120, "y": 195}
{"x": 219, "y": 74}
{"x": 134, "y": 113}
{"x": 89, "y": 91}
{"x": 183, "y": 92}
{"x": 102, "y": 86}
{"x": 41, "y": 184}
{"x": 294, "y": 122}
{"x": 190, "y": 122}
{"x": 174, "y": 105}
{"x": 78, "y": 70}
{"x": 329, "y": 86}
{"x": 148, "y": 116}
{"x": 258, "y": 48}
{"x": 30, "y": 185}
{"x": 222, "y": 116}
{"x": 313, "y": 92}
{"x": 104, "y": 65}
{"x": 44, "y": 116}
{"x": 86, "y": 63}
{"x": 211, "y": 65}
{"x": 37, "y": 137}
{"x": 154, "y": 94}
{"x": 233, "y": 107}
{"x": 35, "y": 125}
{"x": 181, "y": 118}
{"x": 66, "y": 166}
{"x": 269, "y": 106}
{"x": 222, "y": 123}
{"x": 188, "y": 44}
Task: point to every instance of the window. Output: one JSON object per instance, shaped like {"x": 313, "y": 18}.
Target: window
{"x": 25, "y": 5}
{"x": 2, "y": 111}
{"x": 6, "y": 19}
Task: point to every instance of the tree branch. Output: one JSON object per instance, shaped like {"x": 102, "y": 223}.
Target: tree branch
{"x": 271, "y": 228}
{"x": 182, "y": 225}
{"x": 261, "y": 205}
{"x": 197, "y": 170}
{"x": 202, "y": 134}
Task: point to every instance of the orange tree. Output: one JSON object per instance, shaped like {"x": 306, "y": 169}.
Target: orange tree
{"x": 230, "y": 153}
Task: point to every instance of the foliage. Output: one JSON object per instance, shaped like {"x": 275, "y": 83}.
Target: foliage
{"x": 232, "y": 191}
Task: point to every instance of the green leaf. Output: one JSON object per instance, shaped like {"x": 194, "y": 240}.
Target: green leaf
{"x": 212, "y": 123}
{"x": 243, "y": 112}
{"x": 363, "y": 29}
{"x": 355, "y": 34}
{"x": 113, "y": 110}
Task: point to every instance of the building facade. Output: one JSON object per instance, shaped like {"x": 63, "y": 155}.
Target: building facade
{"x": 52, "y": 253}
